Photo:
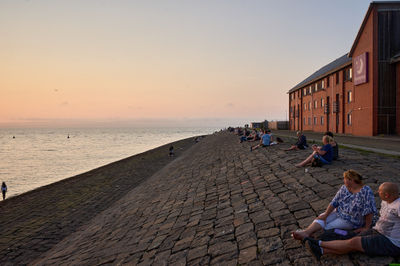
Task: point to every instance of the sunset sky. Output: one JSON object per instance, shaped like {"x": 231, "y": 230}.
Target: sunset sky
{"x": 117, "y": 62}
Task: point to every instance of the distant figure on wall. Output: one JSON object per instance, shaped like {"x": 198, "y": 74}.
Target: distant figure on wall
{"x": 4, "y": 190}
{"x": 171, "y": 151}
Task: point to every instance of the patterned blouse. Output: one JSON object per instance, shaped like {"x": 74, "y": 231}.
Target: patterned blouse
{"x": 353, "y": 207}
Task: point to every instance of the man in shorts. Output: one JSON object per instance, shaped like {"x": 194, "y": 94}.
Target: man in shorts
{"x": 382, "y": 240}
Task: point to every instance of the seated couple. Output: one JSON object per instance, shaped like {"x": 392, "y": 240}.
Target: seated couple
{"x": 353, "y": 208}
{"x": 321, "y": 155}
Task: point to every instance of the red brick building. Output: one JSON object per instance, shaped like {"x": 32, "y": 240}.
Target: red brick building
{"x": 358, "y": 93}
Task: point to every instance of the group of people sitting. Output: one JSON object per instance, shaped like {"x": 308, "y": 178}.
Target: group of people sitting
{"x": 348, "y": 221}
{"x": 321, "y": 154}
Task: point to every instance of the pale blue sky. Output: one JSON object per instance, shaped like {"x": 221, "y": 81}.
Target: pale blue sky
{"x": 128, "y": 60}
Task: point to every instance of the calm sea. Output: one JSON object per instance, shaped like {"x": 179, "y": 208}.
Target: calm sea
{"x": 37, "y": 157}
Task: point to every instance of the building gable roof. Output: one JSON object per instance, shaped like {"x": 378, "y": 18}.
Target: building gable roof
{"x": 383, "y": 4}
{"x": 323, "y": 71}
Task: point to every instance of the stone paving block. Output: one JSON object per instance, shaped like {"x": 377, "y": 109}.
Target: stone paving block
{"x": 320, "y": 205}
{"x": 259, "y": 217}
{"x": 225, "y": 230}
{"x": 304, "y": 214}
{"x": 247, "y": 255}
{"x": 268, "y": 232}
{"x": 178, "y": 257}
{"x": 247, "y": 240}
{"x": 286, "y": 219}
{"x": 272, "y": 258}
{"x": 220, "y": 248}
{"x": 205, "y": 260}
{"x": 244, "y": 228}
{"x": 197, "y": 252}
{"x": 224, "y": 238}
{"x": 298, "y": 205}
{"x": 228, "y": 259}
{"x": 269, "y": 244}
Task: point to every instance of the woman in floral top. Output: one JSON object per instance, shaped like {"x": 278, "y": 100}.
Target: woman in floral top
{"x": 353, "y": 207}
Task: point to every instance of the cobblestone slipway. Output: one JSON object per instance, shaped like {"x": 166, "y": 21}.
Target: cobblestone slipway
{"x": 220, "y": 204}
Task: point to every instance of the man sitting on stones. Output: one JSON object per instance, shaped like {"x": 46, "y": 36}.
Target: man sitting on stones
{"x": 301, "y": 143}
{"x": 382, "y": 240}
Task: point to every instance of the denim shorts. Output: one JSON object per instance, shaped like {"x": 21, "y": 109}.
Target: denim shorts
{"x": 321, "y": 159}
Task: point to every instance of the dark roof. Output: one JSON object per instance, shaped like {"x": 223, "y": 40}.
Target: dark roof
{"x": 323, "y": 71}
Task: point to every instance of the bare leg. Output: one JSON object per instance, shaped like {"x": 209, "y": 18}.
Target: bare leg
{"x": 255, "y": 147}
{"x": 294, "y": 147}
{"x": 312, "y": 228}
{"x": 342, "y": 246}
{"x": 307, "y": 160}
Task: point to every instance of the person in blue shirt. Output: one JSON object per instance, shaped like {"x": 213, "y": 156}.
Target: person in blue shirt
{"x": 322, "y": 154}
{"x": 265, "y": 140}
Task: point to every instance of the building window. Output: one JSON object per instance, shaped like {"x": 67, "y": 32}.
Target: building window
{"x": 304, "y": 91}
{"x": 315, "y": 120}
{"x": 348, "y": 74}
{"x": 304, "y": 119}
{"x": 349, "y": 97}
{"x": 309, "y": 105}
{"x": 349, "y": 119}
{"x": 337, "y": 77}
{"x": 327, "y": 81}
{"x": 309, "y": 120}
{"x": 305, "y": 106}
{"x": 322, "y": 102}
{"x": 315, "y": 104}
{"x": 323, "y": 84}
{"x": 309, "y": 90}
{"x": 322, "y": 120}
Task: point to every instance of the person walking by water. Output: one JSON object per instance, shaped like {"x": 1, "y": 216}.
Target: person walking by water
{"x": 4, "y": 189}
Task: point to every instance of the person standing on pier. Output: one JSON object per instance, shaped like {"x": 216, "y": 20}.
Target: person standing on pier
{"x": 4, "y": 190}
